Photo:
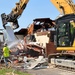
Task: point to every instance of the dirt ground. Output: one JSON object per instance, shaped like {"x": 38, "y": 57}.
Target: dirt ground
{"x": 45, "y": 71}
{"x": 50, "y": 71}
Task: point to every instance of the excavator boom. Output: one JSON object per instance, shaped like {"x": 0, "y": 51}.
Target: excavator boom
{"x": 64, "y": 6}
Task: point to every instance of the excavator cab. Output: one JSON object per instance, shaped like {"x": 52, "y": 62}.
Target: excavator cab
{"x": 65, "y": 31}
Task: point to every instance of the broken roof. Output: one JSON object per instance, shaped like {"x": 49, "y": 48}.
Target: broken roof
{"x": 49, "y": 22}
{"x": 46, "y": 20}
{"x": 43, "y": 23}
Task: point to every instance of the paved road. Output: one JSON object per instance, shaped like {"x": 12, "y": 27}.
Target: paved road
{"x": 51, "y": 71}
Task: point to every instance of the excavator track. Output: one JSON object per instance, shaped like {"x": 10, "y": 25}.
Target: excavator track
{"x": 62, "y": 60}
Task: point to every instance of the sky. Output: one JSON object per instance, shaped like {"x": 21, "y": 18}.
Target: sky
{"x": 34, "y": 9}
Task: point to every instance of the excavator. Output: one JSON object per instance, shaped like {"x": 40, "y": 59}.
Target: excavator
{"x": 64, "y": 26}
{"x": 65, "y": 35}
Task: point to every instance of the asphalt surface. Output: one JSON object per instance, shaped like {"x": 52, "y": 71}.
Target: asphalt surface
{"x": 51, "y": 71}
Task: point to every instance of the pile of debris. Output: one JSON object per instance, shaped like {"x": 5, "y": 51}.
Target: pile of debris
{"x": 30, "y": 50}
{"x": 32, "y": 63}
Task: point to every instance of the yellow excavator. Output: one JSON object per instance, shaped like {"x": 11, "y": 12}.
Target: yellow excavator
{"x": 65, "y": 35}
{"x": 13, "y": 16}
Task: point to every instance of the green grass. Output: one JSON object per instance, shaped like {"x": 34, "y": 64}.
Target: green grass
{"x": 6, "y": 71}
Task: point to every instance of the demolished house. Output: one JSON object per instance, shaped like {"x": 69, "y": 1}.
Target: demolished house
{"x": 40, "y": 40}
{"x": 42, "y": 30}
{"x": 35, "y": 41}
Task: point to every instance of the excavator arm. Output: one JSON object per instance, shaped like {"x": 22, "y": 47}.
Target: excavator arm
{"x": 64, "y": 6}
{"x": 13, "y": 16}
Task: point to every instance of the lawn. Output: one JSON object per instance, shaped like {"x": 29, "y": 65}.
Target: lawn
{"x": 6, "y": 71}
